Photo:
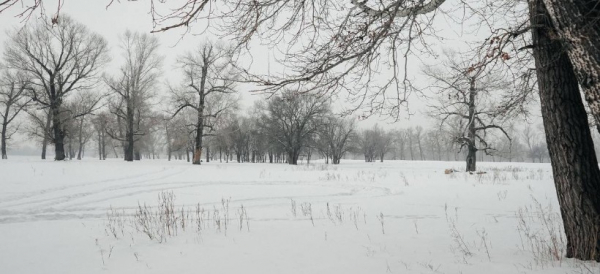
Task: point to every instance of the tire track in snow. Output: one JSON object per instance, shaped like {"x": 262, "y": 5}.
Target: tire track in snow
{"x": 79, "y": 211}
{"x": 68, "y": 187}
{"x": 45, "y": 202}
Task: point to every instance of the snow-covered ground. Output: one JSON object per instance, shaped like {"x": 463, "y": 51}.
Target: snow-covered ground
{"x": 393, "y": 217}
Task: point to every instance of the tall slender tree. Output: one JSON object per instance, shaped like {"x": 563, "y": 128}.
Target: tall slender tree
{"x": 133, "y": 87}
{"x": 207, "y": 74}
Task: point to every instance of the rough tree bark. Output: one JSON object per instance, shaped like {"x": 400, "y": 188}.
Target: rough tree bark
{"x": 576, "y": 23}
{"x": 574, "y": 163}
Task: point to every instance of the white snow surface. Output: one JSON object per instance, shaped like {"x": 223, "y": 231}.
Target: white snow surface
{"x": 390, "y": 217}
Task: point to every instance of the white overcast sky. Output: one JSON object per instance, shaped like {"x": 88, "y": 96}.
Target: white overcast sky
{"x": 134, "y": 15}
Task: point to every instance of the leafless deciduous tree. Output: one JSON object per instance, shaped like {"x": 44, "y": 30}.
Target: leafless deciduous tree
{"x": 292, "y": 119}
{"x": 133, "y": 87}
{"x": 13, "y": 99}
{"x": 574, "y": 163}
{"x": 82, "y": 105}
{"x": 59, "y": 59}
{"x": 39, "y": 127}
{"x": 207, "y": 77}
{"x": 474, "y": 97}
{"x": 336, "y": 135}
{"x": 100, "y": 123}
{"x": 375, "y": 143}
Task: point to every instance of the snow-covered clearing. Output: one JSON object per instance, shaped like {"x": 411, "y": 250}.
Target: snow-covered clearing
{"x": 391, "y": 217}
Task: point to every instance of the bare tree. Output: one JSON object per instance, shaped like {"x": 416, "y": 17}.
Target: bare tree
{"x": 400, "y": 139}
{"x": 367, "y": 144}
{"x": 13, "y": 100}
{"x": 292, "y": 119}
{"x": 59, "y": 59}
{"x": 434, "y": 142}
{"x": 39, "y": 127}
{"x": 375, "y": 143}
{"x": 337, "y": 134}
{"x": 100, "y": 123}
{"x": 133, "y": 87}
{"x": 574, "y": 163}
{"x": 206, "y": 71}
{"x": 465, "y": 93}
{"x": 383, "y": 142}
{"x": 81, "y": 107}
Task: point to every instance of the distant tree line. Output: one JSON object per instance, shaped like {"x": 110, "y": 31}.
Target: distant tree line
{"x": 53, "y": 77}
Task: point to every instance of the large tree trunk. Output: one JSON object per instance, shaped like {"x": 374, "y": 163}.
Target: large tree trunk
{"x": 570, "y": 145}
{"x": 293, "y": 157}
{"x": 576, "y": 22}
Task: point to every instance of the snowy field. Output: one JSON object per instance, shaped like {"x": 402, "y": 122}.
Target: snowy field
{"x": 156, "y": 216}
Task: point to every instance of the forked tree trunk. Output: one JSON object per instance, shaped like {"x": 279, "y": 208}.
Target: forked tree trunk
{"x": 570, "y": 145}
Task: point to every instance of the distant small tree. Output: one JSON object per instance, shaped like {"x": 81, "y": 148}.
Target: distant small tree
{"x": 366, "y": 143}
{"x": 335, "y": 136}
{"x": 292, "y": 118}
{"x": 375, "y": 143}
{"x": 100, "y": 124}
{"x": 383, "y": 142}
